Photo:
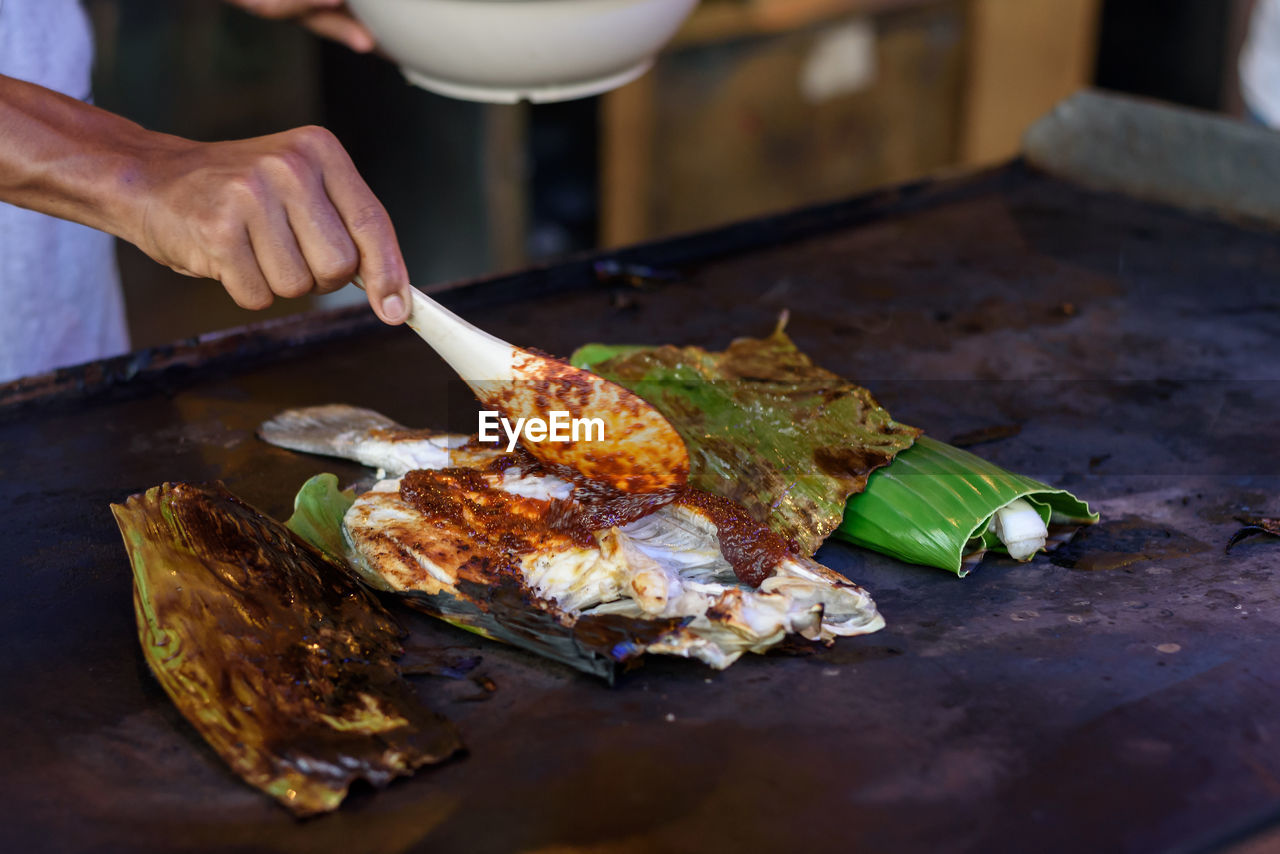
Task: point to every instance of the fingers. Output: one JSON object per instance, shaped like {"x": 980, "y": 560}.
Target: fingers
{"x": 330, "y": 254}
{"x": 327, "y": 18}
{"x": 243, "y": 279}
{"x": 282, "y": 215}
{"x": 340, "y": 27}
{"x": 320, "y": 235}
{"x": 278, "y": 255}
{"x": 381, "y": 264}
{"x": 285, "y": 8}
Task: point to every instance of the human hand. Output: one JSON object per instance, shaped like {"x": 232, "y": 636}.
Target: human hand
{"x": 328, "y": 18}
{"x": 280, "y": 215}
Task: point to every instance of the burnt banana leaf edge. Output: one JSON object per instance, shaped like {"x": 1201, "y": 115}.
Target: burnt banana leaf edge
{"x": 278, "y": 657}
{"x": 766, "y": 427}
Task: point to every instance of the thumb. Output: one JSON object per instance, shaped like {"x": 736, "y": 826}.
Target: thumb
{"x": 390, "y": 300}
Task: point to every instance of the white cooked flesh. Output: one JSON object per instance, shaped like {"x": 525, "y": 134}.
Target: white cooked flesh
{"x": 397, "y": 456}
{"x": 665, "y": 565}
{"x": 682, "y": 540}
{"x": 388, "y": 535}
{"x": 541, "y": 486}
{"x": 1020, "y": 528}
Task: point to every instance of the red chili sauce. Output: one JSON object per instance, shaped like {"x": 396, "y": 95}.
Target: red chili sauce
{"x": 750, "y": 547}
{"x": 463, "y": 497}
{"x": 516, "y": 525}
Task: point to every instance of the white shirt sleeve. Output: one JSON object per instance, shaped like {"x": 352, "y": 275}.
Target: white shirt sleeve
{"x": 60, "y": 299}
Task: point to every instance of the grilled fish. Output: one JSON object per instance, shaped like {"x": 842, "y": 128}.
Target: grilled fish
{"x": 683, "y": 573}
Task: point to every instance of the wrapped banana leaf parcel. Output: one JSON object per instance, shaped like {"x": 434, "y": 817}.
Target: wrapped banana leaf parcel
{"x": 813, "y": 455}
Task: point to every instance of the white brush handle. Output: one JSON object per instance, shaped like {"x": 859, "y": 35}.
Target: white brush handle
{"x": 477, "y": 356}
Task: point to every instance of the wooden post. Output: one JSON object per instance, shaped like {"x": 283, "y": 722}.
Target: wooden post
{"x": 506, "y": 183}
{"x": 1024, "y": 57}
{"x": 626, "y": 162}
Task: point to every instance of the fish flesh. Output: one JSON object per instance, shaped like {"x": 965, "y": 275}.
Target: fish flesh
{"x": 681, "y": 573}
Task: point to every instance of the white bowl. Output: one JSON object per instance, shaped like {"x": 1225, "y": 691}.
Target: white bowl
{"x": 507, "y": 50}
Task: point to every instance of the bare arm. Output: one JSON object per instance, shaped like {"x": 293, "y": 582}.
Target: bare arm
{"x": 285, "y": 214}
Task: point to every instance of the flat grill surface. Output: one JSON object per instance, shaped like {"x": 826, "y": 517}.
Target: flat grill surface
{"x": 1118, "y": 695}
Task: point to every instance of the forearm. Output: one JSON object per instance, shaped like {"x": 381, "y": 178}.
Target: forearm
{"x": 72, "y": 160}
{"x": 285, "y": 214}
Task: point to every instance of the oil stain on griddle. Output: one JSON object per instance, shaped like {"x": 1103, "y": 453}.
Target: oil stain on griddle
{"x": 1122, "y": 543}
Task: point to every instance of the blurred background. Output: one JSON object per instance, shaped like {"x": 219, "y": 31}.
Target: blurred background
{"x": 758, "y": 106}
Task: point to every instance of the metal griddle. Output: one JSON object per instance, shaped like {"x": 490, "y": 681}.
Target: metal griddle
{"x": 1122, "y": 694}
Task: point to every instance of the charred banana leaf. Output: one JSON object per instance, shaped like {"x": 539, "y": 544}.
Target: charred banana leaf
{"x": 271, "y": 650}
{"x": 766, "y": 427}
{"x": 812, "y": 455}
{"x": 1254, "y": 526}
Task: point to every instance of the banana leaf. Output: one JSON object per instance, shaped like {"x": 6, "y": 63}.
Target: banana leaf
{"x": 318, "y": 509}
{"x": 273, "y": 651}
{"x": 594, "y": 644}
{"x": 934, "y": 505}
{"x": 761, "y": 421}
{"x": 766, "y": 427}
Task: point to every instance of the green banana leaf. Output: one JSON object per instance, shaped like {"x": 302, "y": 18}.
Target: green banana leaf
{"x": 318, "y": 509}
{"x": 594, "y": 644}
{"x": 272, "y": 651}
{"x": 933, "y": 506}
{"x": 765, "y": 426}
